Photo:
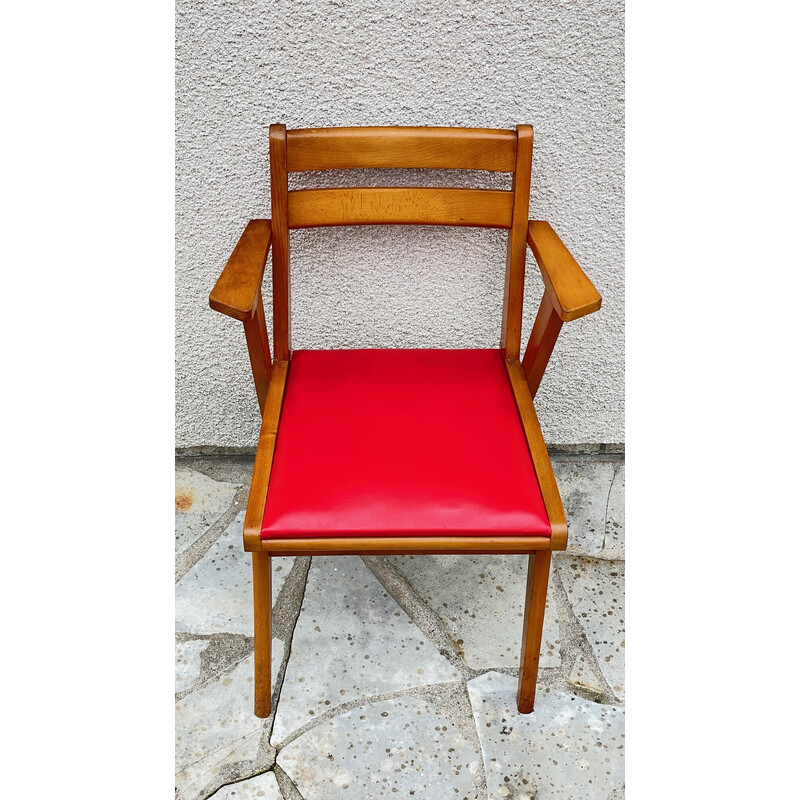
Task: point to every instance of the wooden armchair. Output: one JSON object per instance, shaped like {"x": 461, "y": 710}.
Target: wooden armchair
{"x": 402, "y": 451}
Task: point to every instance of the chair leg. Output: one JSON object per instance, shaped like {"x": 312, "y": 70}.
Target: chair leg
{"x": 262, "y": 610}
{"x": 535, "y": 596}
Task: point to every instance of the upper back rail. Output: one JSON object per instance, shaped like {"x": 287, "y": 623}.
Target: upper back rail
{"x": 401, "y": 147}
{"x": 307, "y": 149}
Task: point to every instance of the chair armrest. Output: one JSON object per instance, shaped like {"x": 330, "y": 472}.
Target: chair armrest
{"x": 572, "y": 294}
{"x": 236, "y": 292}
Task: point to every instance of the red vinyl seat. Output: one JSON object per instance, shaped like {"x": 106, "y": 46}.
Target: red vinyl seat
{"x": 401, "y": 443}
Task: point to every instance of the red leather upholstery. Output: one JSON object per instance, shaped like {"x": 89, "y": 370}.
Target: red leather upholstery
{"x": 401, "y": 443}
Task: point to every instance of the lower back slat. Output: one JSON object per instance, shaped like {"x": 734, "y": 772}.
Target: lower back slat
{"x": 489, "y": 208}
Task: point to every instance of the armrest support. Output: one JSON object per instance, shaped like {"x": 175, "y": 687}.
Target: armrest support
{"x": 568, "y": 294}
{"x": 572, "y": 294}
{"x": 237, "y": 292}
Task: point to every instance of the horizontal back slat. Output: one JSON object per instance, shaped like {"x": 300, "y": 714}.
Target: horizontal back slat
{"x": 490, "y": 208}
{"x": 402, "y": 147}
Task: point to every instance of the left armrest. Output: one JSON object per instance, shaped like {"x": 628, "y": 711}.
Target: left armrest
{"x": 237, "y": 291}
{"x": 572, "y": 294}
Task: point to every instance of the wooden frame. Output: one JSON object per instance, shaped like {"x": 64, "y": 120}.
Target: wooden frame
{"x": 568, "y": 295}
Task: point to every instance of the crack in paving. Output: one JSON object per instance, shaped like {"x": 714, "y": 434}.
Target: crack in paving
{"x": 285, "y": 615}
{"x": 287, "y": 605}
{"x": 239, "y": 780}
{"x": 573, "y": 637}
{"x": 236, "y": 772}
{"x": 228, "y": 772}
{"x": 187, "y": 559}
{"x": 286, "y": 785}
{"x": 286, "y": 610}
{"x": 615, "y": 474}
{"x": 451, "y": 699}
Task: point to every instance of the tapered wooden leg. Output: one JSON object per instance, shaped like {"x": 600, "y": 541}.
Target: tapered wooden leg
{"x": 535, "y": 596}
{"x": 262, "y": 610}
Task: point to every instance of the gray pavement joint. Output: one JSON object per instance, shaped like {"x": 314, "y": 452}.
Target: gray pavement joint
{"x": 237, "y": 772}
{"x": 285, "y": 615}
{"x": 587, "y": 616}
{"x": 224, "y": 652}
{"x": 266, "y": 752}
{"x": 576, "y": 645}
{"x": 452, "y": 701}
{"x": 608, "y": 501}
{"x": 231, "y": 468}
{"x": 427, "y": 692}
{"x": 228, "y": 773}
{"x": 188, "y": 558}
{"x": 418, "y": 611}
{"x": 286, "y": 606}
{"x": 286, "y": 784}
{"x": 237, "y": 782}
{"x": 617, "y": 470}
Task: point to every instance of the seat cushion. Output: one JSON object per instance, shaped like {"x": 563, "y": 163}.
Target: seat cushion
{"x": 401, "y": 443}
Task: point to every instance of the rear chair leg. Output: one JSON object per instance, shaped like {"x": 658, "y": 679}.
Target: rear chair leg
{"x": 262, "y": 609}
{"x": 535, "y": 596}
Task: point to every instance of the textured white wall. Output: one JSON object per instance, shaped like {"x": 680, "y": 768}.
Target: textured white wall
{"x": 241, "y": 66}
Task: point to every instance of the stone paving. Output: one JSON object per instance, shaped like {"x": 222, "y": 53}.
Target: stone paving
{"x": 396, "y": 676}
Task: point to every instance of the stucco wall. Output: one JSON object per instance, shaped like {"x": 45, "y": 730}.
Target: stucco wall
{"x": 242, "y": 66}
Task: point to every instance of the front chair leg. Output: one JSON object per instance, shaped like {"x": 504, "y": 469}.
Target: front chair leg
{"x": 535, "y": 597}
{"x": 262, "y": 610}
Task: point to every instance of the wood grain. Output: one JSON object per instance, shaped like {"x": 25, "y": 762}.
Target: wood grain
{"x": 404, "y": 147}
{"x": 236, "y": 290}
{"x": 539, "y": 456}
{"x": 256, "y": 500}
{"x": 511, "y": 333}
{"x": 573, "y": 295}
{"x": 255, "y": 331}
{"x": 542, "y": 340}
{"x": 262, "y": 644}
{"x": 568, "y": 295}
{"x": 489, "y": 208}
{"x": 532, "y": 627}
{"x": 279, "y": 188}
{"x": 399, "y": 545}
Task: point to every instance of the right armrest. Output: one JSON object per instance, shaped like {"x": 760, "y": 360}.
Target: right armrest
{"x": 236, "y": 292}
{"x": 572, "y": 294}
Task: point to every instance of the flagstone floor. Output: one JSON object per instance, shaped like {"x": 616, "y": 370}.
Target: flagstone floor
{"x": 396, "y": 676}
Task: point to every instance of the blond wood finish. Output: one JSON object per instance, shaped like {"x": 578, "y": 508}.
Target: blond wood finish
{"x": 539, "y": 456}
{"x": 236, "y": 291}
{"x": 398, "y": 545}
{"x": 262, "y": 468}
{"x": 541, "y": 343}
{"x": 403, "y": 147}
{"x": 532, "y": 626}
{"x": 511, "y": 334}
{"x": 279, "y": 188}
{"x": 573, "y": 295}
{"x": 255, "y": 331}
{"x": 262, "y": 612}
{"x": 489, "y": 208}
{"x": 568, "y": 295}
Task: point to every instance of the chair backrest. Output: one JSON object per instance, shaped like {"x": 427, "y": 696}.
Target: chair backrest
{"x": 406, "y": 148}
